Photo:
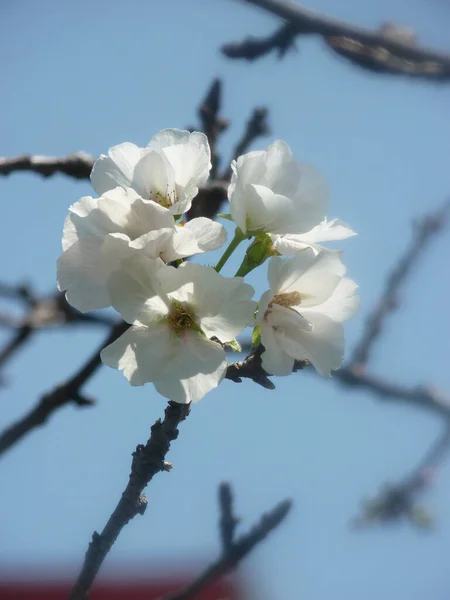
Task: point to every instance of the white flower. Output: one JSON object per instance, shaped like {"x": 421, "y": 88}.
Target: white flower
{"x": 270, "y": 192}
{"x": 326, "y": 231}
{"x": 301, "y": 315}
{"x": 99, "y": 233}
{"x": 174, "y": 312}
{"x": 168, "y": 171}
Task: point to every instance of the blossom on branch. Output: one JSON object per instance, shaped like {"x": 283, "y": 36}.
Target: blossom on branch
{"x": 301, "y": 316}
{"x": 99, "y": 233}
{"x": 271, "y": 193}
{"x": 168, "y": 171}
{"x": 174, "y": 313}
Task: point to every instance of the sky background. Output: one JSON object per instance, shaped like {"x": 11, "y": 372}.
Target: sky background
{"x": 91, "y": 74}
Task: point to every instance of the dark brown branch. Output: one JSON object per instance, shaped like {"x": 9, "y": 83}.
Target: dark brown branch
{"x": 66, "y": 393}
{"x": 395, "y": 501}
{"x": 257, "y": 126}
{"x": 251, "y": 368}
{"x": 389, "y": 49}
{"x": 419, "y": 396}
{"x": 424, "y": 232}
{"x": 236, "y": 552}
{"x": 252, "y": 48}
{"x": 78, "y": 165}
{"x": 20, "y": 337}
{"x": 228, "y": 521}
{"x": 212, "y": 124}
{"x": 147, "y": 461}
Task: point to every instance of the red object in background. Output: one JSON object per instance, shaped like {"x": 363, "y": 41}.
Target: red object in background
{"x": 141, "y": 590}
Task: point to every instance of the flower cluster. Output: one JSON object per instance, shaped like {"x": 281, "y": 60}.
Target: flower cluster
{"x": 125, "y": 248}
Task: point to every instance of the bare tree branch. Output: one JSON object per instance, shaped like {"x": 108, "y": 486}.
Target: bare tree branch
{"x": 396, "y": 501}
{"x": 390, "y": 49}
{"x": 228, "y": 521}
{"x": 424, "y": 231}
{"x": 147, "y": 461}
{"x": 78, "y": 165}
{"x": 66, "y": 393}
{"x": 235, "y": 552}
{"x": 419, "y": 396}
{"x": 257, "y": 126}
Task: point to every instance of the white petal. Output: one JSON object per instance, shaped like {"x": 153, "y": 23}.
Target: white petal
{"x": 263, "y": 305}
{"x": 314, "y": 277}
{"x": 274, "y": 359}
{"x": 190, "y": 158}
{"x": 326, "y": 231}
{"x": 99, "y": 216}
{"x": 116, "y": 169}
{"x": 298, "y": 197}
{"x": 324, "y": 346}
{"x": 280, "y": 316}
{"x": 153, "y": 177}
{"x": 273, "y": 213}
{"x": 209, "y": 234}
{"x": 199, "y": 367}
{"x": 143, "y": 353}
{"x": 84, "y": 268}
{"x": 85, "y": 220}
{"x": 155, "y": 244}
{"x": 342, "y": 304}
{"x": 222, "y": 305}
{"x": 134, "y": 290}
{"x": 180, "y": 245}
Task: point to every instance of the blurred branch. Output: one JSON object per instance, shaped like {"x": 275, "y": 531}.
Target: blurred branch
{"x": 212, "y": 124}
{"x": 66, "y": 393}
{"x": 424, "y": 231}
{"x": 389, "y": 49}
{"x": 42, "y": 313}
{"x": 395, "y": 501}
{"x": 419, "y": 396}
{"x": 228, "y": 521}
{"x": 78, "y": 165}
{"x": 235, "y": 551}
{"x": 148, "y": 460}
{"x": 256, "y": 127}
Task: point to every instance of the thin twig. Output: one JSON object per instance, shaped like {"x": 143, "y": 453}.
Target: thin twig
{"x": 395, "y": 501}
{"x": 388, "y": 42}
{"x": 211, "y": 122}
{"x": 66, "y": 393}
{"x": 236, "y": 552}
{"x": 147, "y": 461}
{"x": 419, "y": 396}
{"x": 257, "y": 126}
{"x": 424, "y": 232}
{"x": 228, "y": 521}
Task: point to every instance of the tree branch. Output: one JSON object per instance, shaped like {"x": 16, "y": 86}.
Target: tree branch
{"x": 147, "y": 461}
{"x": 236, "y": 551}
{"x": 390, "y": 48}
{"x": 424, "y": 231}
{"x": 68, "y": 392}
{"x": 228, "y": 521}
{"x": 78, "y": 165}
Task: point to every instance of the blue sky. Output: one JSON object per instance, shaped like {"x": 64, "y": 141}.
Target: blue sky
{"x": 87, "y": 75}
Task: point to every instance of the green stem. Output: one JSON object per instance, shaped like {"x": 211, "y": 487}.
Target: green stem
{"x": 245, "y": 268}
{"x": 237, "y": 239}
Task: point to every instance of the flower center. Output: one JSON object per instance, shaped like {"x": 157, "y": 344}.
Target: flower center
{"x": 287, "y": 300}
{"x": 181, "y": 317}
{"x": 167, "y": 200}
